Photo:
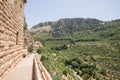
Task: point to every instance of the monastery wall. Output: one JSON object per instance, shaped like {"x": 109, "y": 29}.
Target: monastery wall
{"x": 11, "y": 33}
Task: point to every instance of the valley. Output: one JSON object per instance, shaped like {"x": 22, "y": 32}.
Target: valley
{"x": 76, "y": 49}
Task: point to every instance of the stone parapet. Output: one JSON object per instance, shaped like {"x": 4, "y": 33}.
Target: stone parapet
{"x": 40, "y": 73}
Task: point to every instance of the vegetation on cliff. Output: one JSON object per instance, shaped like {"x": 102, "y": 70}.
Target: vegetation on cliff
{"x": 89, "y": 51}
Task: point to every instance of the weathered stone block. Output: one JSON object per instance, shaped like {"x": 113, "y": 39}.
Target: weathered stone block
{"x": 2, "y": 29}
{"x": 2, "y": 43}
{"x": 2, "y": 70}
{"x": 11, "y": 23}
{"x": 0, "y": 0}
{"x": 1, "y": 55}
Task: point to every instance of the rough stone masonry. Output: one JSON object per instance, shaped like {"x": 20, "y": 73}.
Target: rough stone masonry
{"x": 11, "y": 33}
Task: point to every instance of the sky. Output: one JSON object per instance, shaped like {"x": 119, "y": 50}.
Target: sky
{"x": 37, "y": 11}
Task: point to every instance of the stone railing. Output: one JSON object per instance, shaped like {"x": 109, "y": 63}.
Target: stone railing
{"x": 39, "y": 71}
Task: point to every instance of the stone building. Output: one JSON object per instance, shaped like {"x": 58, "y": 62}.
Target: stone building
{"x": 11, "y": 33}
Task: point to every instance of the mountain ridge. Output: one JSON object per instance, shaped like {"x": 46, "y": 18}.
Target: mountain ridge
{"x": 41, "y": 24}
{"x": 66, "y": 25}
{"x": 77, "y": 27}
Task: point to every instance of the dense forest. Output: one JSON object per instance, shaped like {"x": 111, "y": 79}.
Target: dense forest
{"x": 79, "y": 48}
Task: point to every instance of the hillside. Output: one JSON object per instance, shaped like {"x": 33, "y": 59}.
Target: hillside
{"x": 89, "y": 51}
{"x": 77, "y": 28}
{"x": 46, "y": 29}
{"x": 67, "y": 26}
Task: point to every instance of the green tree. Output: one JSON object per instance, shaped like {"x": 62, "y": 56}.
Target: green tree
{"x": 74, "y": 64}
{"x": 65, "y": 72}
{"x": 39, "y": 50}
{"x": 103, "y": 71}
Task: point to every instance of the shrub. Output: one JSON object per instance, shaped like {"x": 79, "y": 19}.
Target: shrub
{"x": 72, "y": 41}
{"x": 78, "y": 71}
{"x": 65, "y": 72}
{"x": 43, "y": 58}
{"x": 83, "y": 66}
{"x": 87, "y": 71}
{"x": 64, "y": 47}
{"x": 85, "y": 77}
{"x": 58, "y": 48}
{"x": 30, "y": 49}
{"x": 103, "y": 71}
{"x": 74, "y": 64}
{"x": 25, "y": 26}
{"x": 79, "y": 61}
{"x": 68, "y": 62}
{"x": 96, "y": 76}
{"x": 39, "y": 50}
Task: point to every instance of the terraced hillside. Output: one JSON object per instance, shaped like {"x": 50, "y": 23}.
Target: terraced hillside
{"x": 89, "y": 53}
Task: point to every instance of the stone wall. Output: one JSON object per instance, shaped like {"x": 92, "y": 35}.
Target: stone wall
{"x": 28, "y": 40}
{"x": 11, "y": 33}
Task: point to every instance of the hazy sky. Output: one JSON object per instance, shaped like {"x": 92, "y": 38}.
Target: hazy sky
{"x": 51, "y": 10}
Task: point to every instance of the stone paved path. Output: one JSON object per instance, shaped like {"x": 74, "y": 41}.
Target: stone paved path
{"x": 23, "y": 71}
